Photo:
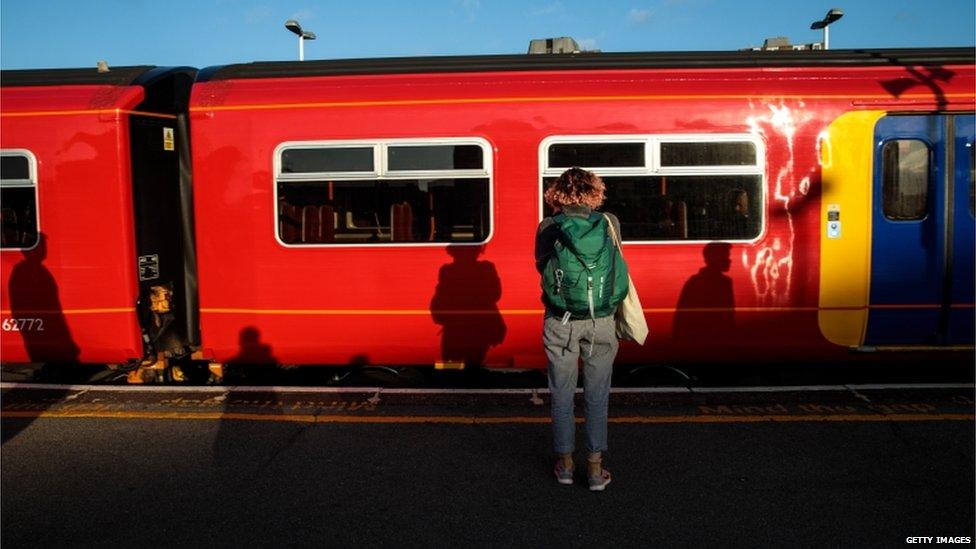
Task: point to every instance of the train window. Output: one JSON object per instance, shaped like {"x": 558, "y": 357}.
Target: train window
{"x": 711, "y": 190}
{"x": 659, "y": 208}
{"x": 421, "y": 193}
{"x": 14, "y": 167}
{"x": 18, "y": 200}
{"x": 905, "y": 173}
{"x": 327, "y": 160}
{"x": 708, "y": 154}
{"x": 596, "y": 155}
{"x": 435, "y": 157}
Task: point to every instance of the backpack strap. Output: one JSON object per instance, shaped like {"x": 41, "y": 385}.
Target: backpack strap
{"x": 616, "y": 241}
{"x": 613, "y": 232}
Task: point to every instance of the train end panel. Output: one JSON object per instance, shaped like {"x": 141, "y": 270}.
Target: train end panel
{"x": 69, "y": 272}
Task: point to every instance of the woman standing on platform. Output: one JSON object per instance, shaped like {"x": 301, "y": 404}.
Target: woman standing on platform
{"x": 574, "y": 231}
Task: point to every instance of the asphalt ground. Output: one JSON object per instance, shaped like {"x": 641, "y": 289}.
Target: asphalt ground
{"x": 837, "y": 466}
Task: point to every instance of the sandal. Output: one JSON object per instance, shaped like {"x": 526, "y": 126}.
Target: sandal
{"x": 563, "y": 475}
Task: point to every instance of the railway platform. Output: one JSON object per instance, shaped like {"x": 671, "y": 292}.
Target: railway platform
{"x": 809, "y": 466}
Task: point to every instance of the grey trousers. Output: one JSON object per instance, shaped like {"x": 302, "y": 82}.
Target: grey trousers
{"x": 595, "y": 341}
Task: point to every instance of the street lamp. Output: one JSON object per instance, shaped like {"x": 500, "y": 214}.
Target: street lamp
{"x": 831, "y": 16}
{"x": 296, "y": 28}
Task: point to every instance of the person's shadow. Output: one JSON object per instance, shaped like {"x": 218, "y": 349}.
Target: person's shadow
{"x": 34, "y": 297}
{"x": 35, "y": 308}
{"x": 465, "y": 305}
{"x": 252, "y": 351}
{"x": 706, "y": 306}
{"x": 254, "y": 364}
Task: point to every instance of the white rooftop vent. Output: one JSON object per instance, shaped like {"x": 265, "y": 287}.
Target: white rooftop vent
{"x": 563, "y": 44}
{"x": 777, "y": 43}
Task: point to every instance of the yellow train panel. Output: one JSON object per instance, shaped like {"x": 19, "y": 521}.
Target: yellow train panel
{"x": 846, "y": 150}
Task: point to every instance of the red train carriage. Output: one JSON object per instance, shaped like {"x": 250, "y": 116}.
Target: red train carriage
{"x": 384, "y": 211}
{"x": 773, "y": 205}
{"x": 91, "y": 208}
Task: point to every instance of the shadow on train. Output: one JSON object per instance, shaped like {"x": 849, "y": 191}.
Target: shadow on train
{"x": 471, "y": 324}
{"x": 465, "y": 306}
{"x": 36, "y": 302}
{"x": 930, "y": 78}
{"x": 706, "y": 305}
{"x": 33, "y": 293}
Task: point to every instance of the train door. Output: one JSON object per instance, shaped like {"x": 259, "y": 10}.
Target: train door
{"x": 922, "y": 232}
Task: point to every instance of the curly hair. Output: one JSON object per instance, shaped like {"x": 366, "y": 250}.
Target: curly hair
{"x": 576, "y": 186}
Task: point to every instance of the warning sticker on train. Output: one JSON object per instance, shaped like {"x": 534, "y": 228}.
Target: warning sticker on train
{"x": 169, "y": 143}
{"x": 833, "y": 221}
{"x": 148, "y": 267}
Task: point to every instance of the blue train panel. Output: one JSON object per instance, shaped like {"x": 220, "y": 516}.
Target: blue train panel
{"x": 922, "y": 232}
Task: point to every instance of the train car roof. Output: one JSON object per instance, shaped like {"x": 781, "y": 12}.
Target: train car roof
{"x": 166, "y": 89}
{"x": 593, "y": 61}
{"x": 138, "y": 75}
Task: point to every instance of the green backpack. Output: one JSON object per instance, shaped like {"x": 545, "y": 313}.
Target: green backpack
{"x": 586, "y": 276}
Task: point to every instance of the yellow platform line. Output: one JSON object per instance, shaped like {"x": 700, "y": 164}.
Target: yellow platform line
{"x": 470, "y": 420}
{"x": 563, "y": 99}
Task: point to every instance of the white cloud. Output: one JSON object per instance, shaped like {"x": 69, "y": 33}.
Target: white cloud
{"x": 638, "y": 16}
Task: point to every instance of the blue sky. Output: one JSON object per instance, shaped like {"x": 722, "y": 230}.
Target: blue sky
{"x": 61, "y": 33}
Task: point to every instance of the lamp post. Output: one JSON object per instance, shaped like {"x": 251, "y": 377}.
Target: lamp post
{"x": 824, "y": 23}
{"x": 296, "y": 28}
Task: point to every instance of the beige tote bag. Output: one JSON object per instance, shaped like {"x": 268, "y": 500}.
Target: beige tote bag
{"x": 630, "y": 320}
